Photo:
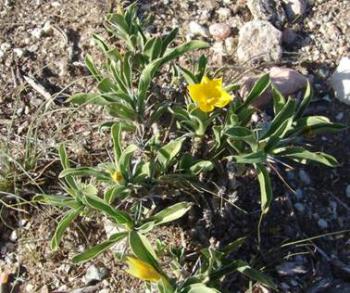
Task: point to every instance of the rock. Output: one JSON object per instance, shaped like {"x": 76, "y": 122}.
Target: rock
{"x": 322, "y": 223}
{"x": 220, "y": 31}
{"x": 259, "y": 41}
{"x": 295, "y": 8}
{"x": 269, "y": 10}
{"x": 340, "y": 81}
{"x": 223, "y": 13}
{"x": 95, "y": 274}
{"x": 287, "y": 81}
{"x": 304, "y": 177}
{"x": 19, "y": 52}
{"x": 289, "y": 37}
{"x": 230, "y": 45}
{"x": 299, "y": 207}
{"x": 290, "y": 269}
{"x": 5, "y": 47}
{"x": 13, "y": 236}
{"x": 347, "y": 191}
{"x": 196, "y": 29}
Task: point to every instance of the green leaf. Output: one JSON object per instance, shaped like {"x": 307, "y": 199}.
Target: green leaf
{"x": 253, "y": 274}
{"x": 115, "y": 192}
{"x": 251, "y": 158}
{"x": 168, "y": 152}
{"x": 63, "y": 224}
{"x": 125, "y": 161}
{"x": 302, "y": 155}
{"x": 116, "y": 132}
{"x": 200, "y": 288}
{"x": 121, "y": 111}
{"x": 171, "y": 213}
{"x": 168, "y": 39}
{"x": 260, "y": 86}
{"x": 201, "y": 166}
{"x": 235, "y": 245}
{"x": 91, "y": 67}
{"x": 56, "y": 200}
{"x": 127, "y": 69}
{"x": 96, "y": 250}
{"x": 306, "y": 100}
{"x": 117, "y": 216}
{"x": 278, "y": 100}
{"x": 83, "y": 98}
{"x": 242, "y": 134}
{"x": 265, "y": 187}
{"x": 65, "y": 165}
{"x": 286, "y": 112}
{"x": 202, "y": 67}
{"x": 315, "y": 125}
{"x": 106, "y": 85}
{"x": 156, "y": 49}
{"x": 141, "y": 247}
{"x": 85, "y": 171}
{"x": 189, "y": 77}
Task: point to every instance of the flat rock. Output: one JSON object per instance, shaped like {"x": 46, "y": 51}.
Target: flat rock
{"x": 340, "y": 81}
{"x": 259, "y": 40}
{"x": 269, "y": 10}
{"x": 295, "y": 8}
{"x": 288, "y": 81}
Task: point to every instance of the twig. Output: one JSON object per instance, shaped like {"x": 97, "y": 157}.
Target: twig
{"x": 38, "y": 87}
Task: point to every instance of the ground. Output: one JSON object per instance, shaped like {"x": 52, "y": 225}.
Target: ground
{"x": 46, "y": 41}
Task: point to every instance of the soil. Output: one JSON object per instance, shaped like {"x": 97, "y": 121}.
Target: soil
{"x": 31, "y": 128}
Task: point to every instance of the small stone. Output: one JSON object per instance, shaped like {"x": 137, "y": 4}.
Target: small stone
{"x": 322, "y": 223}
{"x": 259, "y": 40}
{"x": 339, "y": 116}
{"x": 295, "y": 8}
{"x": 289, "y": 37}
{"x": 47, "y": 28}
{"x": 347, "y": 191}
{"x": 288, "y": 81}
{"x": 37, "y": 33}
{"x": 220, "y": 31}
{"x": 95, "y": 274}
{"x": 5, "y": 46}
{"x": 223, "y": 13}
{"x": 13, "y": 236}
{"x": 268, "y": 10}
{"x": 196, "y": 29}
{"x": 290, "y": 269}
{"x": 340, "y": 81}
{"x": 230, "y": 45}
{"x": 299, "y": 207}
{"x": 19, "y": 52}
{"x": 304, "y": 177}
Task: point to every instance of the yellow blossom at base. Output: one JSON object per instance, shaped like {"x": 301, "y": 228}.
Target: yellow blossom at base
{"x": 142, "y": 270}
{"x": 117, "y": 176}
{"x": 209, "y": 93}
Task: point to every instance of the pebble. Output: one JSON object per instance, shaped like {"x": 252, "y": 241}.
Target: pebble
{"x": 95, "y": 274}
{"x": 299, "y": 194}
{"x": 5, "y": 46}
{"x": 289, "y": 37}
{"x": 287, "y": 80}
{"x": 230, "y": 45}
{"x": 340, "y": 81}
{"x": 304, "y": 177}
{"x": 19, "y": 52}
{"x": 295, "y": 8}
{"x": 268, "y": 10}
{"x": 259, "y": 40}
{"x": 290, "y": 269}
{"x": 299, "y": 207}
{"x": 347, "y": 191}
{"x": 322, "y": 223}
{"x": 13, "y": 236}
{"x": 223, "y": 13}
{"x": 220, "y": 31}
{"x": 196, "y": 29}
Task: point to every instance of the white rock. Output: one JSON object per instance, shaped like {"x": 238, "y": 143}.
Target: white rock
{"x": 230, "y": 45}
{"x": 340, "y": 81}
{"x": 299, "y": 207}
{"x": 5, "y": 46}
{"x": 304, "y": 177}
{"x": 322, "y": 224}
{"x": 2, "y": 54}
{"x": 94, "y": 273}
{"x": 37, "y": 33}
{"x": 223, "y": 13}
{"x": 295, "y": 8}
{"x": 259, "y": 40}
{"x": 220, "y": 31}
{"x": 47, "y": 28}
{"x": 13, "y": 236}
{"x": 347, "y": 191}
{"x": 196, "y": 29}
{"x": 19, "y": 52}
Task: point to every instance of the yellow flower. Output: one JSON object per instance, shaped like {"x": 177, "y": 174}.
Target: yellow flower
{"x": 209, "y": 93}
{"x": 142, "y": 270}
{"x": 117, "y": 176}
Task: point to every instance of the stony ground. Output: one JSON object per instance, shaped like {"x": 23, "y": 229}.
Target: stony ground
{"x": 42, "y": 48}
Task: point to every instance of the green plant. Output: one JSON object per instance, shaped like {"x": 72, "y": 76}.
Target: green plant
{"x": 177, "y": 155}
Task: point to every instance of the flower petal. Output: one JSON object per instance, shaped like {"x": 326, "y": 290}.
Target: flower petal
{"x": 142, "y": 270}
{"x": 223, "y": 100}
